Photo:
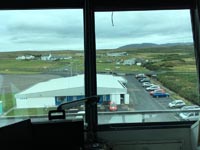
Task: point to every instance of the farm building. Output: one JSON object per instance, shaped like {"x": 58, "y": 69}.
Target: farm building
{"x": 66, "y": 89}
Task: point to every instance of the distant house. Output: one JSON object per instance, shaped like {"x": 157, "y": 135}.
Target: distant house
{"x": 129, "y": 62}
{"x": 139, "y": 64}
{"x": 25, "y": 57}
{"x": 140, "y": 61}
{"x": 61, "y": 57}
{"x": 117, "y": 54}
{"x": 52, "y": 58}
{"x": 46, "y": 57}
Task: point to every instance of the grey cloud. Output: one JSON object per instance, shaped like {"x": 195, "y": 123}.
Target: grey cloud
{"x": 143, "y": 24}
{"x": 139, "y": 27}
{"x": 63, "y": 28}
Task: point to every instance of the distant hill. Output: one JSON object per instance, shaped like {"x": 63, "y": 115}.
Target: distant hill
{"x": 148, "y": 45}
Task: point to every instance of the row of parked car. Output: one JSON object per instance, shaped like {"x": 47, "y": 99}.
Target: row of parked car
{"x": 157, "y": 91}
{"x": 153, "y": 89}
{"x": 188, "y": 116}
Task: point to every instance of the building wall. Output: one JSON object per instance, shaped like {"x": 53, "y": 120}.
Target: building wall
{"x": 53, "y": 101}
{"x": 195, "y": 136}
{"x": 35, "y": 102}
{"x": 115, "y": 98}
{"x": 126, "y": 98}
{"x": 162, "y": 138}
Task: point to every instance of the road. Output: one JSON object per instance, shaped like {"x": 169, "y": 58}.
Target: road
{"x": 140, "y": 100}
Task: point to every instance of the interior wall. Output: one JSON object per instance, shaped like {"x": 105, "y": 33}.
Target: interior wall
{"x": 148, "y": 139}
{"x": 195, "y": 136}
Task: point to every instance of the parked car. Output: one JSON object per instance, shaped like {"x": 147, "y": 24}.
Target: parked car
{"x": 189, "y": 116}
{"x": 188, "y": 107}
{"x": 177, "y": 103}
{"x": 153, "y": 87}
{"x": 160, "y": 94}
{"x": 158, "y": 90}
{"x": 147, "y": 84}
{"x": 140, "y": 75}
{"x": 112, "y": 106}
{"x": 144, "y": 80}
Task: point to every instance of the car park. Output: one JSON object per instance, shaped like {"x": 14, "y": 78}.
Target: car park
{"x": 160, "y": 94}
{"x": 177, "y": 104}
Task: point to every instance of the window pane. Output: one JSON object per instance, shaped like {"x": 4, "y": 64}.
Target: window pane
{"x": 41, "y": 60}
{"x": 138, "y": 49}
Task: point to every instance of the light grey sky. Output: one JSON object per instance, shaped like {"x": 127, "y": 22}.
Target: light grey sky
{"x": 63, "y": 29}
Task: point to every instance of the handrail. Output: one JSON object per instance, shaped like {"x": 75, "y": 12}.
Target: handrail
{"x": 150, "y": 111}
{"x": 108, "y": 113}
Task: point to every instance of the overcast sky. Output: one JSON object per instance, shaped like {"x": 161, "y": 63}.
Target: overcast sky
{"x": 63, "y": 29}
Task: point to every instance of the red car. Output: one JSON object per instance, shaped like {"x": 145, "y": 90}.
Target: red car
{"x": 113, "y": 106}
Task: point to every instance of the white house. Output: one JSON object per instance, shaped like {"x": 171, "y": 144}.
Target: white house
{"x": 130, "y": 62}
{"x": 56, "y": 91}
{"x": 46, "y": 57}
{"x": 25, "y": 57}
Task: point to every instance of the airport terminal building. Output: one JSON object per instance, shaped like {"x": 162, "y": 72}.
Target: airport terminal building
{"x": 56, "y": 91}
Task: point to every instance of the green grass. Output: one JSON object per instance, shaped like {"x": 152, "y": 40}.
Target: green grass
{"x": 8, "y": 101}
{"x": 183, "y": 84}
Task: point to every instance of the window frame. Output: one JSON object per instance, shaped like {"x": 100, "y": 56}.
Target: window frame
{"x": 89, "y": 8}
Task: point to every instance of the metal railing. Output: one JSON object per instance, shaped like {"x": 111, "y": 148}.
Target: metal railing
{"x": 81, "y": 115}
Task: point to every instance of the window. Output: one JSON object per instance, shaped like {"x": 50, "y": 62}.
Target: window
{"x": 137, "y": 52}
{"x": 41, "y": 60}
{"x": 138, "y": 47}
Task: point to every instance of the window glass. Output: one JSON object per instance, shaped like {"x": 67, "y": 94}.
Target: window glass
{"x": 141, "y": 51}
{"x": 41, "y": 60}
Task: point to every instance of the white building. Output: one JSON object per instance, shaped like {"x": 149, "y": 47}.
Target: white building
{"x": 25, "y": 57}
{"x": 130, "y": 61}
{"x": 117, "y": 54}
{"x": 56, "y": 91}
{"x": 48, "y": 57}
